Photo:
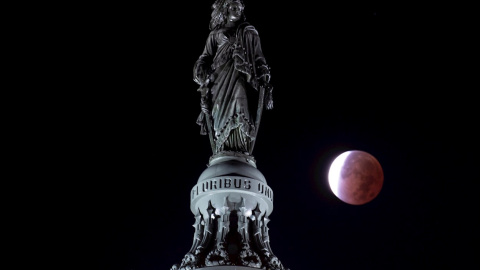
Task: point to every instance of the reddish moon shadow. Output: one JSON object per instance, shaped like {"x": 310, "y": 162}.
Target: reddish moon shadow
{"x": 355, "y": 177}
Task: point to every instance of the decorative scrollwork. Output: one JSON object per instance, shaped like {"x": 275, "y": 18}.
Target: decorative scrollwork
{"x": 273, "y": 263}
{"x": 218, "y": 256}
{"x": 189, "y": 262}
{"x": 249, "y": 257}
{"x": 254, "y": 253}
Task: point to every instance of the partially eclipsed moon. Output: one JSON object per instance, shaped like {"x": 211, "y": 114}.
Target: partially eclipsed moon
{"x": 355, "y": 177}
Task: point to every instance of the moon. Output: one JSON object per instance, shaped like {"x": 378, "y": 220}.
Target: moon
{"x": 355, "y": 177}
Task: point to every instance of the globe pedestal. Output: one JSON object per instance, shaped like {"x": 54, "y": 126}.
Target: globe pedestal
{"x": 231, "y": 203}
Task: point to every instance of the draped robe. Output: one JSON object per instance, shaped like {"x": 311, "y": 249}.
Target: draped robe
{"x": 234, "y": 60}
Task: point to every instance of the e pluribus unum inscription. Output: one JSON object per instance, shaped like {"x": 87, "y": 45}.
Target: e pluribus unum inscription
{"x": 227, "y": 183}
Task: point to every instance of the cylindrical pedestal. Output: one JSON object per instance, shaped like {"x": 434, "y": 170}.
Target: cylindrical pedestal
{"x": 231, "y": 203}
{"x": 232, "y": 178}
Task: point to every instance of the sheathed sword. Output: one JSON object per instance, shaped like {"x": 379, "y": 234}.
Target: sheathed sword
{"x": 203, "y": 89}
{"x": 261, "y": 97}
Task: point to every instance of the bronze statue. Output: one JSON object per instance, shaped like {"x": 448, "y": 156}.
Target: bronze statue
{"x": 231, "y": 201}
{"x": 234, "y": 80}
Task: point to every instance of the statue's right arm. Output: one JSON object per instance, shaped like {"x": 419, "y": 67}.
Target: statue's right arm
{"x": 202, "y": 67}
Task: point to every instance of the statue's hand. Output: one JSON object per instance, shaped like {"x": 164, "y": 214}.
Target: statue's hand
{"x": 200, "y": 75}
{"x": 268, "y": 95}
{"x": 204, "y": 106}
{"x": 200, "y": 80}
{"x": 269, "y": 102}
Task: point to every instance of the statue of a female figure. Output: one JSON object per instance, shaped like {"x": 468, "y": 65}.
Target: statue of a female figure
{"x": 233, "y": 75}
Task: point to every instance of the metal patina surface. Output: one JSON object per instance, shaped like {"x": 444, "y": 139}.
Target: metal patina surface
{"x": 231, "y": 201}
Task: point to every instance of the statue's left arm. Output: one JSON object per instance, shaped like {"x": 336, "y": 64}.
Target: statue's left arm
{"x": 262, "y": 70}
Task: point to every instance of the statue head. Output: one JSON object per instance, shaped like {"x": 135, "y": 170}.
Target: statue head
{"x": 235, "y": 10}
{"x": 225, "y": 11}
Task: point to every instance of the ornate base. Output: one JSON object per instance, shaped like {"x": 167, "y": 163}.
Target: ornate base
{"x": 231, "y": 203}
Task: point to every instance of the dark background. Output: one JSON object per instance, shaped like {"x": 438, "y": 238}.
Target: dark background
{"x": 360, "y": 75}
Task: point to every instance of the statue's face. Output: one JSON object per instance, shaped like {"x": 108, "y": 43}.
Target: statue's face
{"x": 235, "y": 10}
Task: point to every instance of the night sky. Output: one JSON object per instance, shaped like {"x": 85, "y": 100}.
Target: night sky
{"x": 347, "y": 76}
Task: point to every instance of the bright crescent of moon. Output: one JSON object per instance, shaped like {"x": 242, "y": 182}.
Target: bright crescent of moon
{"x": 334, "y": 175}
